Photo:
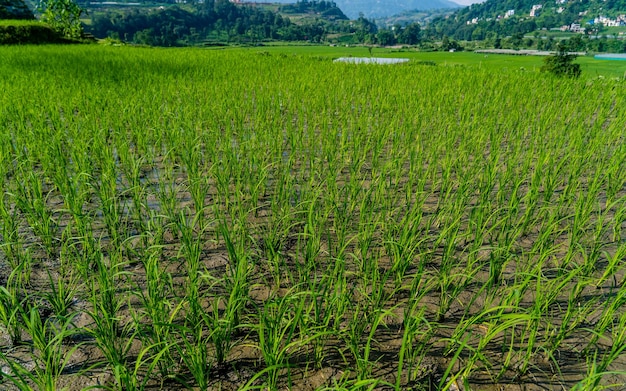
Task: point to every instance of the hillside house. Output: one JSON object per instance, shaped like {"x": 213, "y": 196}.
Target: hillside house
{"x": 534, "y": 11}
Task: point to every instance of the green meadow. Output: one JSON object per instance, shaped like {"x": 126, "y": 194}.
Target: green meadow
{"x": 495, "y": 62}
{"x": 265, "y": 219}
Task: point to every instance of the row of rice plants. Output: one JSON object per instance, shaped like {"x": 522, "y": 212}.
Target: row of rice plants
{"x": 230, "y": 220}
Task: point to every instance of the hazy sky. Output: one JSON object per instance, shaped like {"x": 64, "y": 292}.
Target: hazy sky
{"x": 467, "y": 2}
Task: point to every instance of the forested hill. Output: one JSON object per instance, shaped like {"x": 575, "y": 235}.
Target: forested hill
{"x": 325, "y": 9}
{"x": 506, "y": 17}
{"x": 14, "y": 9}
{"x": 221, "y": 21}
{"x": 382, "y": 8}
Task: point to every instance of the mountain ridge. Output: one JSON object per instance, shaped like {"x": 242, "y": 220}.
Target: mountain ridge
{"x": 15, "y": 9}
{"x": 382, "y": 8}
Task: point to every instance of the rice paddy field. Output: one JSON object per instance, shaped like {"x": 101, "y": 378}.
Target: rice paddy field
{"x": 257, "y": 220}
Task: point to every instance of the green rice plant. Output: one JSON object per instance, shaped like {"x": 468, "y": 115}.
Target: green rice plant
{"x": 160, "y": 310}
{"x": 606, "y": 319}
{"x": 317, "y": 317}
{"x": 273, "y": 236}
{"x": 594, "y": 376}
{"x": 618, "y": 219}
{"x": 62, "y": 293}
{"x": 487, "y": 326}
{"x": 105, "y": 187}
{"x": 222, "y": 326}
{"x": 236, "y": 279}
{"x": 345, "y": 384}
{"x": 618, "y": 344}
{"x": 32, "y": 202}
{"x": 279, "y": 319}
{"x": 449, "y": 282}
{"x": 613, "y": 265}
{"x": 360, "y": 336}
{"x": 401, "y": 244}
{"x": 21, "y": 377}
{"x": 74, "y": 188}
{"x": 10, "y": 231}
{"x": 598, "y": 367}
{"x": 193, "y": 351}
{"x": 312, "y": 237}
{"x": 548, "y": 232}
{"x": 574, "y": 316}
{"x": 136, "y": 376}
{"x": 191, "y": 156}
{"x": 111, "y": 336}
{"x": 446, "y": 382}
{"x": 416, "y": 335}
{"x": 167, "y": 190}
{"x": 223, "y": 316}
{"x": 191, "y": 248}
{"x": 11, "y": 311}
{"x": 47, "y": 338}
{"x": 131, "y": 165}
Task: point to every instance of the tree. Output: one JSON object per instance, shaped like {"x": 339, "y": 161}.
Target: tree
{"x": 575, "y": 43}
{"x": 385, "y": 38}
{"x": 63, "y": 16}
{"x": 561, "y": 64}
{"x": 410, "y": 35}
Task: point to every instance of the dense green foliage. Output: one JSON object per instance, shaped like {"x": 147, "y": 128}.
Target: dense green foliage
{"x": 562, "y": 64}
{"x": 63, "y": 16}
{"x": 18, "y": 33}
{"x": 234, "y": 219}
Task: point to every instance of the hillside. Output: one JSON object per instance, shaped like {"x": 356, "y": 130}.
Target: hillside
{"x": 422, "y": 17}
{"x": 14, "y": 9}
{"x": 327, "y": 10}
{"x": 383, "y": 8}
{"x": 506, "y": 17}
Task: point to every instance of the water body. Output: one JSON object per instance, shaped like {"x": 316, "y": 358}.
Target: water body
{"x": 610, "y": 56}
{"x": 371, "y": 60}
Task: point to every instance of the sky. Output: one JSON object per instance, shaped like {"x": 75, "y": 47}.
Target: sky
{"x": 467, "y": 2}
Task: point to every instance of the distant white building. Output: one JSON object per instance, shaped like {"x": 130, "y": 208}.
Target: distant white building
{"x": 574, "y": 27}
{"x": 619, "y": 21}
{"x": 509, "y": 13}
{"x": 534, "y": 11}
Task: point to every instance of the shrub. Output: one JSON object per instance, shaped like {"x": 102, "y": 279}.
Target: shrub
{"x": 561, "y": 64}
{"x": 19, "y": 33}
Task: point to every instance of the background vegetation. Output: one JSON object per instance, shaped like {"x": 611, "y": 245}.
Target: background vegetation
{"x": 27, "y": 32}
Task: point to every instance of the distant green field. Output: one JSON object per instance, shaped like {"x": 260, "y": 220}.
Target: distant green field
{"x": 507, "y": 63}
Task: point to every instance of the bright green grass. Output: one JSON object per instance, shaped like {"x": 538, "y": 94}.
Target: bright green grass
{"x": 11, "y": 22}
